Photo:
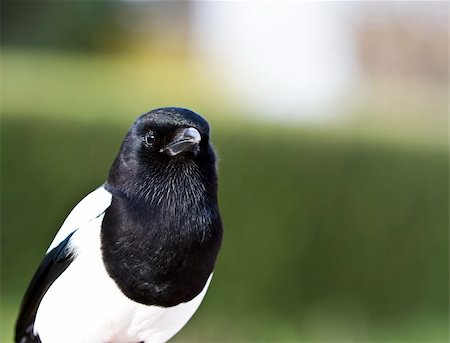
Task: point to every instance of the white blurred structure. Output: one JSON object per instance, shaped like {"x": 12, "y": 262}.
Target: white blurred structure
{"x": 293, "y": 60}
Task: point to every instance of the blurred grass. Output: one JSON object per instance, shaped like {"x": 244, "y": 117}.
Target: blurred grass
{"x": 98, "y": 87}
{"x": 329, "y": 236}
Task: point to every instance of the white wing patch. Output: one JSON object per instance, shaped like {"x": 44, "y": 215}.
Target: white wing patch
{"x": 93, "y": 205}
{"x": 84, "y": 305}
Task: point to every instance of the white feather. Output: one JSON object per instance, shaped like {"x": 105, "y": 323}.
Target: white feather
{"x": 94, "y": 204}
{"x": 85, "y": 305}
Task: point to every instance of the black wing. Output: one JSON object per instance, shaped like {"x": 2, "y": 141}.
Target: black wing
{"x": 52, "y": 266}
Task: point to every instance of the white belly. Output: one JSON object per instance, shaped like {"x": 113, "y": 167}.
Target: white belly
{"x": 92, "y": 309}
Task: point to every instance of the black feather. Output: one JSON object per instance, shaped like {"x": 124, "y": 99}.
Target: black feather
{"x": 51, "y": 267}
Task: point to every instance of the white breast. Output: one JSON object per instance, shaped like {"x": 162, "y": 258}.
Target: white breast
{"x": 85, "y": 305}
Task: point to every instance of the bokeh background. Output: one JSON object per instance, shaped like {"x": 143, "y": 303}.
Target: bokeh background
{"x": 330, "y": 120}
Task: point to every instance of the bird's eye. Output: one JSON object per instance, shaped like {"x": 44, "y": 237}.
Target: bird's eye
{"x": 149, "y": 138}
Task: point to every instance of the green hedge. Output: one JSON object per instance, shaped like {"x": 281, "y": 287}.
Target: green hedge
{"x": 325, "y": 238}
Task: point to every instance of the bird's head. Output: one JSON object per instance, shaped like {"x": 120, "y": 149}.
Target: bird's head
{"x": 166, "y": 147}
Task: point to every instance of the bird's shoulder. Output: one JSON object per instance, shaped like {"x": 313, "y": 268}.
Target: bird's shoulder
{"x": 90, "y": 207}
{"x": 57, "y": 258}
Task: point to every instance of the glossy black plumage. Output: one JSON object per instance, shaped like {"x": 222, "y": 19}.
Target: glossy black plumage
{"x": 169, "y": 220}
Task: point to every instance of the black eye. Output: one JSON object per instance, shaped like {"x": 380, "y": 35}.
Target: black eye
{"x": 149, "y": 138}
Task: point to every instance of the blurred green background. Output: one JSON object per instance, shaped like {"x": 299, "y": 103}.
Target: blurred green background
{"x": 336, "y": 230}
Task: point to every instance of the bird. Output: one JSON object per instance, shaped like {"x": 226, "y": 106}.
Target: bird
{"x": 133, "y": 260}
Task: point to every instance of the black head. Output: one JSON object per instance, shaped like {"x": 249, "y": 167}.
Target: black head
{"x": 164, "y": 219}
{"x": 166, "y": 147}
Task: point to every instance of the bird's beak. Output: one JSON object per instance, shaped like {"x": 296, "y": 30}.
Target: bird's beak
{"x": 185, "y": 140}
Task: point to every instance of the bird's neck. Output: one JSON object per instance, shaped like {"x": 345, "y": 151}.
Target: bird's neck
{"x": 169, "y": 240}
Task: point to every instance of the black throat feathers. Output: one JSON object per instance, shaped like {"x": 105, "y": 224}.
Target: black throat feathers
{"x": 160, "y": 244}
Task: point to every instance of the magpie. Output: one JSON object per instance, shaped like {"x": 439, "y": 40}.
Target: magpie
{"x": 133, "y": 260}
